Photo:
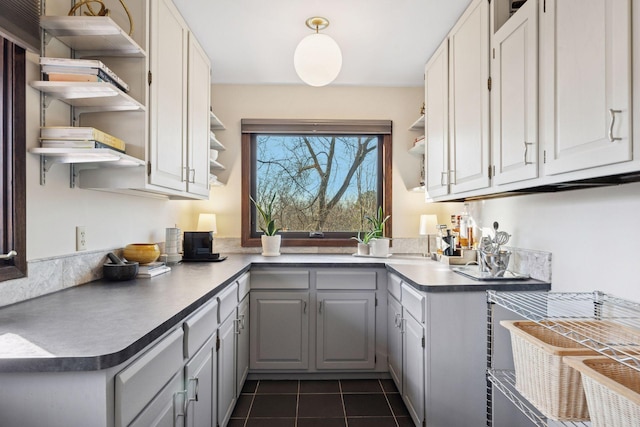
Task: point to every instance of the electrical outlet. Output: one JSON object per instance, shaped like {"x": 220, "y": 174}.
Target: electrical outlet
{"x": 81, "y": 238}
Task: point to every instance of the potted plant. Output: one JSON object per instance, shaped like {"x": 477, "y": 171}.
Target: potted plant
{"x": 379, "y": 245}
{"x": 270, "y": 239}
{"x": 363, "y": 242}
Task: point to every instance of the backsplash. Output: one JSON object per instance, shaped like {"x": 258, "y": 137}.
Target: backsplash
{"x": 48, "y": 275}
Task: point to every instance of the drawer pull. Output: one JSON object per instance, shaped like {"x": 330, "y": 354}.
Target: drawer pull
{"x": 195, "y": 391}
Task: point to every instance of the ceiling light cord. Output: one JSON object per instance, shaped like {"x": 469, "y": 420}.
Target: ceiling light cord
{"x": 102, "y": 12}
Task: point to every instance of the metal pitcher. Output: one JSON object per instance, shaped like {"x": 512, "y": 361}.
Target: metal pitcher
{"x": 494, "y": 263}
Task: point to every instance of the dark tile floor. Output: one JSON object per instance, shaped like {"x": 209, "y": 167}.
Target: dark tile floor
{"x": 316, "y": 403}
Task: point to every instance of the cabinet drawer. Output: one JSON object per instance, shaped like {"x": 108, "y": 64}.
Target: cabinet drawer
{"x": 413, "y": 302}
{"x": 200, "y": 326}
{"x": 244, "y": 284}
{"x": 346, "y": 279}
{"x": 393, "y": 285}
{"x": 137, "y": 385}
{"x": 227, "y": 301}
{"x": 280, "y": 279}
{"x": 165, "y": 408}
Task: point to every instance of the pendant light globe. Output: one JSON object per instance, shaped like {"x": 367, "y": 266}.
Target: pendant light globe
{"x": 317, "y": 59}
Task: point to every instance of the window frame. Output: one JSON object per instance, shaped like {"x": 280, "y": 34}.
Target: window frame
{"x": 13, "y": 149}
{"x": 251, "y": 127}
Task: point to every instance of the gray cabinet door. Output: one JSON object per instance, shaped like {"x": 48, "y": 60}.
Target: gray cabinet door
{"x": 394, "y": 340}
{"x": 279, "y": 330}
{"x": 346, "y": 330}
{"x": 413, "y": 367}
{"x": 200, "y": 377}
{"x": 242, "y": 360}
{"x": 226, "y": 369}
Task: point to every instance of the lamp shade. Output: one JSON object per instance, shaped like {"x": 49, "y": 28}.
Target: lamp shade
{"x": 207, "y": 222}
{"x": 428, "y": 225}
{"x": 317, "y": 59}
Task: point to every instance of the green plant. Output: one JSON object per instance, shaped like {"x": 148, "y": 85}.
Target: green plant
{"x": 266, "y": 213}
{"x": 365, "y": 239}
{"x": 377, "y": 223}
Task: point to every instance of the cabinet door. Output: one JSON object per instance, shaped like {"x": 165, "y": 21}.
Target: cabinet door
{"x": 226, "y": 369}
{"x": 436, "y": 123}
{"x": 242, "y": 360}
{"x": 469, "y": 99}
{"x": 166, "y": 409}
{"x": 279, "y": 330}
{"x": 168, "y": 59}
{"x": 346, "y": 330}
{"x": 514, "y": 97}
{"x": 200, "y": 376}
{"x": 413, "y": 367}
{"x": 198, "y": 106}
{"x": 394, "y": 340}
{"x": 586, "y": 75}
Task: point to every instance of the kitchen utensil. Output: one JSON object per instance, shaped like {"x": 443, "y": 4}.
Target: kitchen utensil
{"x": 144, "y": 253}
{"x": 502, "y": 237}
{"x": 118, "y": 269}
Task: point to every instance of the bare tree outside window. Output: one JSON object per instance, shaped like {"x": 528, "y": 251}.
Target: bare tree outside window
{"x": 324, "y": 183}
{"x": 325, "y": 178}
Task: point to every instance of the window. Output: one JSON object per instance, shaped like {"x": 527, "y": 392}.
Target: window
{"x": 12, "y": 157}
{"x": 326, "y": 176}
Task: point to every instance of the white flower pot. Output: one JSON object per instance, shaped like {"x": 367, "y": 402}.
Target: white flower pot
{"x": 363, "y": 249}
{"x": 379, "y": 247}
{"x": 271, "y": 245}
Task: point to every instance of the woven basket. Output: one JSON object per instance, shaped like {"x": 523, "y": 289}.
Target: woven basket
{"x": 612, "y": 390}
{"x": 541, "y": 376}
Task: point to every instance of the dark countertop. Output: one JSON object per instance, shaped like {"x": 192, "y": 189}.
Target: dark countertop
{"x": 102, "y": 324}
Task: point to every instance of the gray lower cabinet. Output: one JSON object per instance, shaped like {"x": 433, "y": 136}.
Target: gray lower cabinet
{"x": 279, "y": 330}
{"x": 413, "y": 367}
{"x": 345, "y": 330}
{"x": 242, "y": 357}
{"x": 152, "y": 387}
{"x": 226, "y": 369}
{"x": 201, "y": 379}
{"x": 394, "y": 340}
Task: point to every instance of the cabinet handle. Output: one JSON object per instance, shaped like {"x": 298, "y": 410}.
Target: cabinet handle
{"x": 197, "y": 387}
{"x": 526, "y": 151}
{"x": 192, "y": 172}
{"x": 403, "y": 322}
{"x": 613, "y": 112}
{"x": 185, "y": 172}
{"x": 236, "y": 326}
{"x": 304, "y": 307}
{"x": 177, "y": 414}
{"x": 320, "y": 307}
{"x": 9, "y": 255}
{"x": 242, "y": 321}
{"x": 442, "y": 175}
{"x": 396, "y": 320}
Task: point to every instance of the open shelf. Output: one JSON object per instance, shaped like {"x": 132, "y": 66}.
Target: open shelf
{"x": 418, "y": 124}
{"x": 418, "y": 149}
{"x": 215, "y": 122}
{"x": 215, "y": 165}
{"x": 89, "y": 97}
{"x": 215, "y": 144}
{"x": 91, "y": 35}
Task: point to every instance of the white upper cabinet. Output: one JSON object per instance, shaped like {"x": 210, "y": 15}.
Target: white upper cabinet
{"x": 198, "y": 130}
{"x": 514, "y": 95}
{"x": 469, "y": 100}
{"x": 169, "y": 47}
{"x": 436, "y": 130}
{"x": 586, "y": 83}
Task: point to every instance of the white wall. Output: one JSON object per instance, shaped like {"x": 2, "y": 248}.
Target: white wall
{"x": 231, "y": 103}
{"x": 593, "y": 235}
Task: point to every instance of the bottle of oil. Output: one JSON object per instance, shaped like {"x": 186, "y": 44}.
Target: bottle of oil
{"x": 466, "y": 228}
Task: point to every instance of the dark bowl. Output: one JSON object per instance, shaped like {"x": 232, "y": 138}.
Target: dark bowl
{"x": 126, "y": 271}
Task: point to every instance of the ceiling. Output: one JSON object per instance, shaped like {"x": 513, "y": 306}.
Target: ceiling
{"x": 383, "y": 42}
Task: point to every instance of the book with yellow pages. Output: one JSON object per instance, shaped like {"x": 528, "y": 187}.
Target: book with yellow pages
{"x": 81, "y": 133}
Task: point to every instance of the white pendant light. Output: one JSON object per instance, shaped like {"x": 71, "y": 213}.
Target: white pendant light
{"x": 317, "y": 58}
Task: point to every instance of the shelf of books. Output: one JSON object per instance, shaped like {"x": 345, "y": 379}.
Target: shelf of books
{"x": 89, "y": 97}
{"x": 91, "y": 35}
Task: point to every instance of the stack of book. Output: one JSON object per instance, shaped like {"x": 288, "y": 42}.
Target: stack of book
{"x": 80, "y": 70}
{"x": 152, "y": 269}
{"x": 78, "y": 137}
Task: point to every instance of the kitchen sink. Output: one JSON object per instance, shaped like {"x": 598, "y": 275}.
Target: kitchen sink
{"x": 474, "y": 272}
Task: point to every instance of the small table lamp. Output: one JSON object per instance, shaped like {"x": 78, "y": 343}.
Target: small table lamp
{"x": 428, "y": 226}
